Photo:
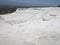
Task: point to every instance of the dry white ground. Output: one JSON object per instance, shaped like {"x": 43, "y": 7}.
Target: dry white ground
{"x": 32, "y": 26}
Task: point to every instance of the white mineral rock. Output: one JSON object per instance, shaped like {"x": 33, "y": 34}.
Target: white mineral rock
{"x": 32, "y": 26}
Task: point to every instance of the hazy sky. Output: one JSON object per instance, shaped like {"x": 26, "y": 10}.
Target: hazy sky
{"x": 30, "y": 2}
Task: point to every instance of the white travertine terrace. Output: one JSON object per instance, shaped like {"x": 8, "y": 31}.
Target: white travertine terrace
{"x": 32, "y": 26}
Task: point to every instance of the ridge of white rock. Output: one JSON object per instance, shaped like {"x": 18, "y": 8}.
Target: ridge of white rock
{"x": 32, "y": 26}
